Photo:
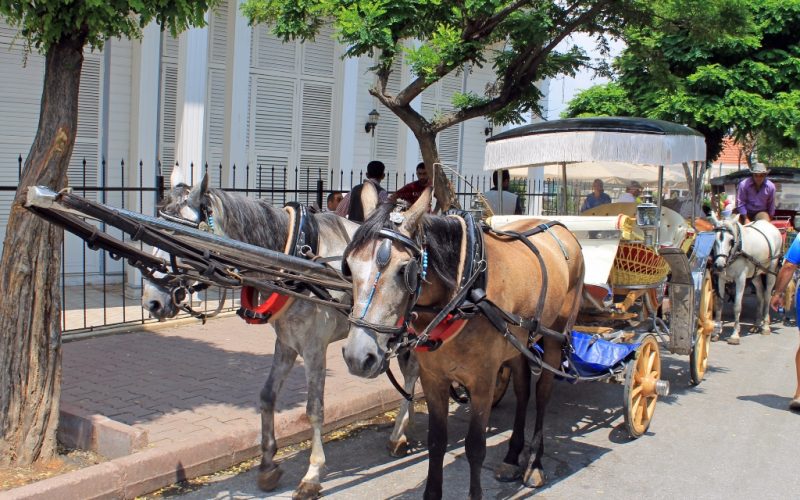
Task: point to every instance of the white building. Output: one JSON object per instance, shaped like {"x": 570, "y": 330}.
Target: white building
{"x": 226, "y": 94}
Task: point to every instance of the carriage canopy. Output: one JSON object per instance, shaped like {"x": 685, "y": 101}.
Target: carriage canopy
{"x": 577, "y": 141}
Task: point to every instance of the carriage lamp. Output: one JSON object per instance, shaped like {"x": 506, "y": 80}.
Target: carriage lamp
{"x": 372, "y": 121}
{"x": 647, "y": 218}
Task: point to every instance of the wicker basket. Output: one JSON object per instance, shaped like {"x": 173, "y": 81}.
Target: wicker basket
{"x": 637, "y": 265}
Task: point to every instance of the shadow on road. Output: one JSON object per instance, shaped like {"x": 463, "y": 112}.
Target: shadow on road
{"x": 769, "y": 400}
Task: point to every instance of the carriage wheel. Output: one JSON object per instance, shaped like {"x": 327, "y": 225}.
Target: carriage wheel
{"x": 641, "y": 377}
{"x": 698, "y": 358}
{"x": 460, "y": 394}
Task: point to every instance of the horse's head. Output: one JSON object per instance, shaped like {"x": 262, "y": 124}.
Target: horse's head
{"x": 728, "y": 239}
{"x": 387, "y": 262}
{"x": 186, "y": 205}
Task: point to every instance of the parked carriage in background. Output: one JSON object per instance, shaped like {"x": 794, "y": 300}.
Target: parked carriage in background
{"x": 635, "y": 253}
{"x": 787, "y": 197}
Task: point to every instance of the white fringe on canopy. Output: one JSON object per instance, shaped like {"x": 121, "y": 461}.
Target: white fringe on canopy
{"x": 590, "y": 146}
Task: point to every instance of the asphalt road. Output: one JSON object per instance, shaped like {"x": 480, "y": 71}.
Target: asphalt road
{"x": 730, "y": 437}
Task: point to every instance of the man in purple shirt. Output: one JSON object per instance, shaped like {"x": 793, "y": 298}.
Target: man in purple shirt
{"x": 756, "y": 194}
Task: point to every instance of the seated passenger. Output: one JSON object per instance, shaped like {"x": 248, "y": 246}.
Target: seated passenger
{"x": 597, "y": 197}
{"x": 631, "y": 194}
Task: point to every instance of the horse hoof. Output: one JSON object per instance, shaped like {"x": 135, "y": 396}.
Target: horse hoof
{"x": 398, "y": 449}
{"x": 506, "y": 473}
{"x": 733, "y": 340}
{"x": 766, "y": 331}
{"x": 307, "y": 491}
{"x": 714, "y": 337}
{"x": 268, "y": 479}
{"x": 534, "y": 478}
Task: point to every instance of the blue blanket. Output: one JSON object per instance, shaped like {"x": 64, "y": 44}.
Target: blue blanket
{"x": 595, "y": 356}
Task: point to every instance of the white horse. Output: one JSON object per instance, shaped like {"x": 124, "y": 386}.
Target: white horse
{"x": 303, "y": 328}
{"x": 742, "y": 252}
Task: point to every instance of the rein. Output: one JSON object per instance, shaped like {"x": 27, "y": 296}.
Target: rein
{"x": 469, "y": 287}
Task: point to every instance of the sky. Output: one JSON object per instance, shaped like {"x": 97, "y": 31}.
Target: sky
{"x": 562, "y": 89}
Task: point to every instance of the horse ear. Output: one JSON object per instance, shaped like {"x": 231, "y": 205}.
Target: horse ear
{"x": 369, "y": 199}
{"x": 413, "y": 216}
{"x": 714, "y": 220}
{"x": 204, "y": 184}
{"x": 198, "y": 193}
{"x": 176, "y": 177}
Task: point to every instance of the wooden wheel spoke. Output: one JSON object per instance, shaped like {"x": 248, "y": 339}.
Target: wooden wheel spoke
{"x": 651, "y": 407}
{"x": 651, "y": 359}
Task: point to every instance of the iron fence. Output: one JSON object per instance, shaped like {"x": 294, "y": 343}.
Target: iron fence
{"x": 99, "y": 292}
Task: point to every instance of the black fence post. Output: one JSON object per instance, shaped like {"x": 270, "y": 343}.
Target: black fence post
{"x": 320, "y": 185}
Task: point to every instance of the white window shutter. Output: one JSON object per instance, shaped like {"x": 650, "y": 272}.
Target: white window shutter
{"x": 169, "y": 104}
{"x": 291, "y": 105}
{"x": 215, "y": 99}
{"x": 83, "y": 165}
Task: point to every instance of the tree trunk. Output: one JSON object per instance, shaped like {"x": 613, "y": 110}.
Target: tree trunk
{"x": 442, "y": 188}
{"x": 30, "y": 299}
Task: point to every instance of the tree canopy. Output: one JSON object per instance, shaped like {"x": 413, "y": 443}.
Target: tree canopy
{"x": 738, "y": 76}
{"x": 30, "y": 309}
{"x": 519, "y": 39}
{"x": 43, "y": 23}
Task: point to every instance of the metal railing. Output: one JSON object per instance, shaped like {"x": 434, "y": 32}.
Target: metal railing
{"x": 99, "y": 292}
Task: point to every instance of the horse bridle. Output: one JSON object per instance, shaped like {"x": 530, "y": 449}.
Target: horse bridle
{"x": 414, "y": 273}
{"x": 179, "y": 293}
{"x": 736, "y": 249}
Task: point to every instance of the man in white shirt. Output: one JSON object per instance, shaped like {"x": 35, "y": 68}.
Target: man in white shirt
{"x": 509, "y": 204}
{"x": 631, "y": 193}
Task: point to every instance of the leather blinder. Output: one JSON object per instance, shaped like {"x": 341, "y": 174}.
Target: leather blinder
{"x": 411, "y": 276}
{"x": 384, "y": 254}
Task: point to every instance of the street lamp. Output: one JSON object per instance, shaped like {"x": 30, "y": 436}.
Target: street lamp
{"x": 372, "y": 122}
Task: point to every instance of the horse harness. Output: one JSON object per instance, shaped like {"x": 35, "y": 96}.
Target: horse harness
{"x": 737, "y": 251}
{"x": 302, "y": 241}
{"x": 468, "y": 300}
{"x": 183, "y": 290}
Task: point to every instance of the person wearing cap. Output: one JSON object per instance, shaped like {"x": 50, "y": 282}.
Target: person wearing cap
{"x": 756, "y": 194}
{"x": 631, "y": 193}
{"x": 596, "y": 197}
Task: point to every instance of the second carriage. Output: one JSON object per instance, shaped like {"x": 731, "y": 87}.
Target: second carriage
{"x": 646, "y": 280}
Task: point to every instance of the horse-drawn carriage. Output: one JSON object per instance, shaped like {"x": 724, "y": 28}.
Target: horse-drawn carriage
{"x": 635, "y": 253}
{"x": 646, "y": 276}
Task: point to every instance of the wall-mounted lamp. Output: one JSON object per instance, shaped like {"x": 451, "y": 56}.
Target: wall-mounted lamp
{"x": 488, "y": 128}
{"x": 372, "y": 122}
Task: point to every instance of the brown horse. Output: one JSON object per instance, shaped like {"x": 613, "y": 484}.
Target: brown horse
{"x": 387, "y": 251}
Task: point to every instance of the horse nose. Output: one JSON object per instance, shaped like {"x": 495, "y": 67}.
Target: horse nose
{"x": 365, "y": 365}
{"x": 154, "y": 306}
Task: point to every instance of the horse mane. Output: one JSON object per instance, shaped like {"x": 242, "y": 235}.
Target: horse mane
{"x": 251, "y": 220}
{"x": 442, "y": 241}
{"x": 246, "y": 219}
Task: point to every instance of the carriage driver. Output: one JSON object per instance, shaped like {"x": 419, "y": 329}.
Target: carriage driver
{"x": 756, "y": 194}
{"x": 790, "y": 263}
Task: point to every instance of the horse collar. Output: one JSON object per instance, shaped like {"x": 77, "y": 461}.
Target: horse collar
{"x": 302, "y": 240}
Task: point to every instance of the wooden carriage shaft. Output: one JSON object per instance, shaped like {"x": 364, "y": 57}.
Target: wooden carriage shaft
{"x": 236, "y": 254}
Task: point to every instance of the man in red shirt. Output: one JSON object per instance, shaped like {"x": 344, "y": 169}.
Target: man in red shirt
{"x": 413, "y": 190}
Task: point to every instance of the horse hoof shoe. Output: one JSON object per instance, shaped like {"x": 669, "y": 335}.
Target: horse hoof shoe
{"x": 398, "y": 449}
{"x": 307, "y": 491}
{"x": 268, "y": 479}
{"x": 506, "y": 473}
{"x": 534, "y": 478}
{"x": 733, "y": 340}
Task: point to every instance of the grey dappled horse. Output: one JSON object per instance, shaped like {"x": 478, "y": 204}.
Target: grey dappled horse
{"x": 742, "y": 252}
{"x": 304, "y": 328}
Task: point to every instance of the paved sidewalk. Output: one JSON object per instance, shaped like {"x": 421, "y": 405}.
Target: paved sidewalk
{"x": 194, "y": 390}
